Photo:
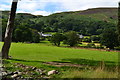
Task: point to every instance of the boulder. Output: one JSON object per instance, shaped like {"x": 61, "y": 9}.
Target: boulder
{"x": 34, "y": 68}
{"x": 14, "y": 76}
{"x": 52, "y": 72}
{"x": 4, "y": 74}
{"x": 38, "y": 70}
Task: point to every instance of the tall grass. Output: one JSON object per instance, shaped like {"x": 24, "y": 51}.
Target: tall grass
{"x": 92, "y": 73}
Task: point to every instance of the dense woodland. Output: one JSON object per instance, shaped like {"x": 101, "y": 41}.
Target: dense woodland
{"x": 88, "y": 22}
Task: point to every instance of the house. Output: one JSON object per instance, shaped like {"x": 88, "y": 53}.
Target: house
{"x": 80, "y": 36}
{"x": 44, "y": 35}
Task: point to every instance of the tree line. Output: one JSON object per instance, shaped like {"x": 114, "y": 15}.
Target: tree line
{"x": 27, "y": 26}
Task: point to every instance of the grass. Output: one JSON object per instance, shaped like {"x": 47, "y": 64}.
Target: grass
{"x": 42, "y": 52}
{"x": 97, "y": 73}
{"x": 35, "y": 54}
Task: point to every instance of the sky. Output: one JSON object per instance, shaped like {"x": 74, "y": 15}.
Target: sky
{"x": 47, "y": 7}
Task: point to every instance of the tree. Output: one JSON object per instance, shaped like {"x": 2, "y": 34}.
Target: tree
{"x": 71, "y": 38}
{"x": 17, "y": 35}
{"x": 119, "y": 21}
{"x": 109, "y": 38}
{"x": 57, "y": 38}
{"x": 95, "y": 38}
{"x": 9, "y": 30}
{"x": 35, "y": 36}
{"x": 23, "y": 34}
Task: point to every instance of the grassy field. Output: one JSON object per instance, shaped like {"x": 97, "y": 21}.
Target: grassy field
{"x": 34, "y": 54}
{"x": 45, "y": 52}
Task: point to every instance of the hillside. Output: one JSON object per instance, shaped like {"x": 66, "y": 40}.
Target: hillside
{"x": 106, "y": 14}
{"x": 102, "y": 13}
{"x": 99, "y": 13}
{"x": 86, "y": 22}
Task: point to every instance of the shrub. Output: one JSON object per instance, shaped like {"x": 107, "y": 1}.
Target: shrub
{"x": 86, "y": 40}
{"x": 57, "y": 38}
{"x": 90, "y": 45}
{"x": 71, "y": 38}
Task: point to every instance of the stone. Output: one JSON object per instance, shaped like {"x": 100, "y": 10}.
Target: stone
{"x": 2, "y": 69}
{"x": 14, "y": 76}
{"x": 10, "y": 73}
{"x": 27, "y": 67}
{"x": 0, "y": 74}
{"x": 10, "y": 57}
{"x": 46, "y": 77}
{"x": 4, "y": 73}
{"x": 39, "y": 70}
{"x": 34, "y": 68}
{"x": 19, "y": 73}
{"x": 52, "y": 72}
{"x": 42, "y": 74}
{"x": 16, "y": 72}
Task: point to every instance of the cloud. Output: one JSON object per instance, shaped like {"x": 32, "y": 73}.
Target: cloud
{"x": 44, "y": 13}
{"x": 74, "y": 5}
{"x": 30, "y": 6}
{"x": 44, "y": 7}
{"x": 4, "y": 7}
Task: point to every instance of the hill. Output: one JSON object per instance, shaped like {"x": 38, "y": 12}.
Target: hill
{"x": 106, "y": 14}
{"x": 87, "y": 22}
{"x": 97, "y": 13}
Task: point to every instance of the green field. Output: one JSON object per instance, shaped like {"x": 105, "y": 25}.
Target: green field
{"x": 34, "y": 54}
{"x": 44, "y": 52}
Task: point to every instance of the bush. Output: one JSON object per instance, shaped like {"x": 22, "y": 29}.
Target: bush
{"x": 95, "y": 38}
{"x": 91, "y": 45}
{"x": 35, "y": 36}
{"x": 57, "y": 38}
{"x": 96, "y": 41}
{"x": 109, "y": 38}
{"x": 86, "y": 40}
{"x": 71, "y": 38}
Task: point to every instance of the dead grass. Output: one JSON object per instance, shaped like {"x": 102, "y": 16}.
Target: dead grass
{"x": 97, "y": 73}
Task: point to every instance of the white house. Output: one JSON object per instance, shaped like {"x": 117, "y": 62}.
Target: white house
{"x": 81, "y": 36}
{"x": 44, "y": 35}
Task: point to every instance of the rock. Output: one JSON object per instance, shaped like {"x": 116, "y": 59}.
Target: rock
{"x": 19, "y": 73}
{"x": 27, "y": 67}
{"x": 4, "y": 74}
{"x": 14, "y": 76}
{"x": 52, "y": 72}
{"x": 39, "y": 70}
{"x": 10, "y": 57}
{"x": 2, "y": 69}
{"x": 10, "y": 73}
{"x": 42, "y": 74}
{"x": 0, "y": 74}
{"x": 34, "y": 68}
{"x": 46, "y": 77}
{"x": 16, "y": 72}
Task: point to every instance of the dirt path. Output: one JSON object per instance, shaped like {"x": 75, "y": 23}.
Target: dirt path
{"x": 63, "y": 64}
{"x": 94, "y": 49}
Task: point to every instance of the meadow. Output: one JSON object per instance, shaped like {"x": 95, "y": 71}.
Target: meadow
{"x": 33, "y": 54}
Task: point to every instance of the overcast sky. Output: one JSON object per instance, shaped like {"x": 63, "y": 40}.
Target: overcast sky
{"x": 47, "y": 7}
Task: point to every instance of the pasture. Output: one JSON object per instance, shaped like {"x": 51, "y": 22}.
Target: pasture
{"x": 46, "y": 52}
{"x": 33, "y": 54}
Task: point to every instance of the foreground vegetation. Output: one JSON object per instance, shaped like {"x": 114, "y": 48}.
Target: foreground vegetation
{"x": 36, "y": 54}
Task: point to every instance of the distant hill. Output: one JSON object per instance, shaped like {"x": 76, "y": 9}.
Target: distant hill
{"x": 88, "y": 22}
{"x": 101, "y": 13}
{"x": 5, "y": 14}
{"x": 105, "y": 14}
